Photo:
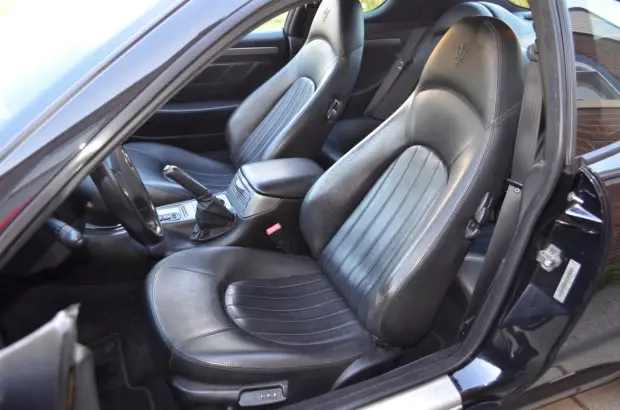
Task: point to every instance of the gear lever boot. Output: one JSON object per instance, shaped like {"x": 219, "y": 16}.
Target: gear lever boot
{"x": 212, "y": 217}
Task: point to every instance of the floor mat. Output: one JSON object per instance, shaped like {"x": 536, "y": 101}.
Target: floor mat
{"x": 113, "y": 323}
{"x": 115, "y": 391}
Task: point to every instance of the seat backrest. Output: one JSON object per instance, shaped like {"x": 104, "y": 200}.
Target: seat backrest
{"x": 387, "y": 222}
{"x": 410, "y": 76}
{"x": 287, "y": 115}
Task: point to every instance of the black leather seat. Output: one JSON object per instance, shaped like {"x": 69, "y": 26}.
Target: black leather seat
{"x": 285, "y": 117}
{"x": 349, "y": 131}
{"x": 386, "y": 230}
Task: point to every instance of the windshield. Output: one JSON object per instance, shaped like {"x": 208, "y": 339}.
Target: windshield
{"x": 49, "y": 45}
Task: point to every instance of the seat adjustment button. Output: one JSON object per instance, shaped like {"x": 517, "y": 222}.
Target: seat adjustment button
{"x": 261, "y": 397}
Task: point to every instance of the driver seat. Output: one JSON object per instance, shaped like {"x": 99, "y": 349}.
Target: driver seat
{"x": 386, "y": 230}
{"x": 288, "y": 116}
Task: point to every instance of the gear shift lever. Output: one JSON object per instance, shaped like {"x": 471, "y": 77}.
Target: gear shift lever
{"x": 212, "y": 217}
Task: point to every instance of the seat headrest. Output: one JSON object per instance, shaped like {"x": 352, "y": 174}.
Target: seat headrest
{"x": 458, "y": 12}
{"x": 340, "y": 23}
{"x": 479, "y": 58}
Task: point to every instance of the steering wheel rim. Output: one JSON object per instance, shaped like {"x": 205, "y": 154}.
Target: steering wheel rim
{"x": 126, "y": 197}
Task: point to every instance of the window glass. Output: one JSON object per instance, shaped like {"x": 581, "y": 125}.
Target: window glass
{"x": 368, "y": 5}
{"x": 595, "y": 26}
{"x": 276, "y": 23}
{"x": 521, "y": 3}
{"x": 42, "y": 57}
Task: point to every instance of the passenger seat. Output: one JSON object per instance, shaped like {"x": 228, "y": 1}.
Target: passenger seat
{"x": 348, "y": 132}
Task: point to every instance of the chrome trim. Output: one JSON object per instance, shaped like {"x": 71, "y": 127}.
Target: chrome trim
{"x": 602, "y": 153}
{"x": 251, "y": 51}
{"x": 187, "y": 109}
{"x": 579, "y": 212}
{"x": 438, "y": 394}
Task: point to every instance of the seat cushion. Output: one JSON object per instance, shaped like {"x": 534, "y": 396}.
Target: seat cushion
{"x": 227, "y": 321}
{"x": 151, "y": 158}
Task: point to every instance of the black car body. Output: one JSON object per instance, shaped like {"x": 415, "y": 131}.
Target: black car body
{"x": 149, "y": 82}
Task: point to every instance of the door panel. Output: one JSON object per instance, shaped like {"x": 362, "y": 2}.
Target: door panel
{"x": 196, "y": 117}
{"x": 558, "y": 275}
{"x": 51, "y": 363}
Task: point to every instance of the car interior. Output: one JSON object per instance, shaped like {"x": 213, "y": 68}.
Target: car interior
{"x": 312, "y": 210}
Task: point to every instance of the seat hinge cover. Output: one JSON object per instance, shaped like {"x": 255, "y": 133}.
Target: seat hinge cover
{"x": 480, "y": 216}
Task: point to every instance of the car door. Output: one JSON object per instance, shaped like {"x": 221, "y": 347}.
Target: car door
{"x": 196, "y": 117}
{"x": 556, "y": 336}
{"x": 590, "y": 355}
{"x": 48, "y": 369}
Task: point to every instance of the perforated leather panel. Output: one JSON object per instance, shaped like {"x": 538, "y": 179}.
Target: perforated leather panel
{"x": 375, "y": 238}
{"x": 278, "y": 119}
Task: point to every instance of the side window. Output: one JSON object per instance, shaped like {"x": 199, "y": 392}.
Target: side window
{"x": 276, "y": 23}
{"x": 525, "y": 4}
{"x": 368, "y": 5}
{"x": 595, "y": 27}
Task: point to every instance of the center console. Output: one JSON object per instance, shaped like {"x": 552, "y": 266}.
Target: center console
{"x": 261, "y": 195}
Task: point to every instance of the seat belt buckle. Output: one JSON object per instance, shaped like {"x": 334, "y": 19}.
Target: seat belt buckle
{"x": 334, "y": 110}
{"x": 515, "y": 185}
{"x": 400, "y": 61}
{"x": 281, "y": 240}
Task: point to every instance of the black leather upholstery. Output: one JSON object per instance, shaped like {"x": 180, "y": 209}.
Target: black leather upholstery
{"x": 385, "y": 226}
{"x": 346, "y": 134}
{"x": 285, "y": 117}
{"x": 151, "y": 158}
{"x": 241, "y": 316}
{"x": 282, "y": 178}
{"x": 350, "y": 131}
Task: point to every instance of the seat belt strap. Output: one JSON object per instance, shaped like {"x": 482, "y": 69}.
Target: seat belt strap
{"x": 311, "y": 9}
{"x": 402, "y": 60}
{"x": 526, "y": 145}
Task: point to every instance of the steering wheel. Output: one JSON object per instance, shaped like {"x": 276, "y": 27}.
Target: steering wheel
{"x": 126, "y": 197}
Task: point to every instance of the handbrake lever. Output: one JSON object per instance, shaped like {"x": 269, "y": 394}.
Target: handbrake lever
{"x": 212, "y": 217}
{"x": 199, "y": 191}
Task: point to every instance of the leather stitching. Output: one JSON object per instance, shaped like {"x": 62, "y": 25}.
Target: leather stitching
{"x": 285, "y": 298}
{"x": 300, "y": 117}
{"x": 473, "y": 183}
{"x": 263, "y": 369}
{"x": 373, "y": 220}
{"x": 286, "y": 310}
{"x": 393, "y": 250}
{"x": 262, "y": 319}
{"x": 258, "y": 136}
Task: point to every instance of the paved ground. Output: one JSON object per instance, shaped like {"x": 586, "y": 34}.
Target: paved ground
{"x": 595, "y": 340}
{"x": 606, "y": 397}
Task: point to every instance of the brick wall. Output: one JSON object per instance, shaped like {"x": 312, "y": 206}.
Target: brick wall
{"x": 604, "y": 51}
{"x": 600, "y": 126}
{"x": 597, "y": 127}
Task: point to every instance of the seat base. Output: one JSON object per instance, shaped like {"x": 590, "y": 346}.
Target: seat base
{"x": 242, "y": 317}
